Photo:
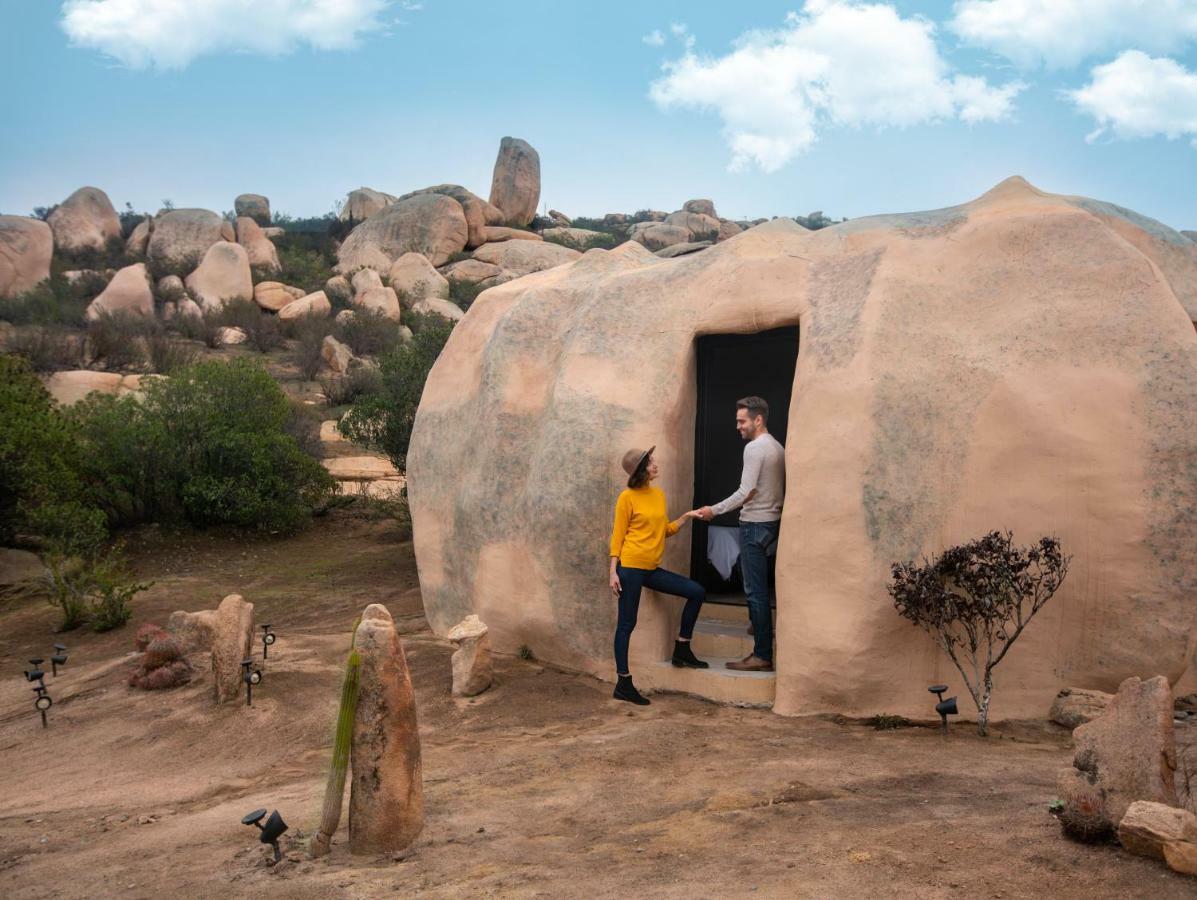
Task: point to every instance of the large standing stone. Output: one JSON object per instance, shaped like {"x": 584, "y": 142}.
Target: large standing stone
{"x": 128, "y": 292}
{"x": 515, "y": 187}
{"x": 702, "y": 207}
{"x": 193, "y": 630}
{"x": 560, "y": 219}
{"x": 1076, "y": 706}
{"x": 254, "y": 206}
{"x": 337, "y": 356}
{"x": 386, "y": 800}
{"x": 363, "y": 280}
{"x": 26, "y": 247}
{"x": 659, "y": 235}
{"x": 261, "y": 252}
{"x": 313, "y": 305}
{"x": 431, "y": 224}
{"x": 181, "y": 237}
{"x": 525, "y": 257}
{"x": 139, "y": 239}
{"x": 478, "y": 213}
{"x": 1147, "y": 827}
{"x": 1129, "y": 752}
{"x": 223, "y": 275}
{"x": 232, "y": 641}
{"x": 701, "y": 227}
{"x": 728, "y": 229}
{"x": 473, "y": 668}
{"x": 84, "y": 221}
{"x": 381, "y": 300}
{"x": 364, "y": 202}
{"x": 413, "y": 278}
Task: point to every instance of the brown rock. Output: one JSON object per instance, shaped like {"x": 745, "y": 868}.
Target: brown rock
{"x": 525, "y": 257}
{"x": 228, "y": 336}
{"x": 253, "y": 206}
{"x": 71, "y": 387}
{"x": 139, "y": 239}
{"x": 414, "y": 279}
{"x": 1076, "y": 706}
{"x": 578, "y": 238}
{"x": 359, "y": 468}
{"x": 560, "y": 219}
{"x": 1147, "y": 827}
{"x": 1181, "y": 856}
{"x": 473, "y": 669}
{"x": 171, "y": 287}
{"x": 515, "y": 187}
{"x": 223, "y": 275}
{"x": 84, "y": 221}
{"x": 337, "y": 356}
{"x": 261, "y": 253}
{"x": 700, "y": 227}
{"x": 26, "y": 246}
{"x": 472, "y": 271}
{"x": 193, "y": 630}
{"x": 363, "y": 203}
{"x": 496, "y": 233}
{"x": 1129, "y": 752}
{"x": 313, "y": 305}
{"x": 339, "y": 288}
{"x": 728, "y": 230}
{"x": 658, "y": 235}
{"x": 683, "y": 249}
{"x": 431, "y": 224}
{"x": 272, "y": 295}
{"x": 19, "y": 565}
{"x": 127, "y": 292}
{"x": 446, "y": 309}
{"x": 382, "y": 300}
{"x": 232, "y": 641}
{"x": 227, "y": 231}
{"x": 180, "y": 239}
{"x": 478, "y": 213}
{"x": 386, "y": 800}
{"x": 702, "y": 207}
{"x": 616, "y": 219}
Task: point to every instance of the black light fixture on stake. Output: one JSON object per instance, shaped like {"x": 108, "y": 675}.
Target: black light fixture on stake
{"x": 271, "y": 831}
{"x": 944, "y": 707}
{"x": 36, "y": 673}
{"x": 42, "y": 702}
{"x": 58, "y": 659}
{"x": 268, "y": 638}
{"x": 250, "y": 676}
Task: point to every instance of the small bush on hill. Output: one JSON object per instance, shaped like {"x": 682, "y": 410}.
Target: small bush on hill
{"x": 308, "y": 333}
{"x": 55, "y": 301}
{"x": 92, "y": 589}
{"x": 118, "y": 339}
{"x": 385, "y": 419}
{"x": 464, "y": 294}
{"x": 303, "y": 424}
{"x": 261, "y": 328}
{"x": 307, "y": 259}
{"x": 363, "y": 381}
{"x": 48, "y": 348}
{"x": 368, "y": 332}
{"x": 111, "y": 256}
{"x": 169, "y": 354}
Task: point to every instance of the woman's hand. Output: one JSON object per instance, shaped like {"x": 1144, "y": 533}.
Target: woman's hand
{"x": 616, "y": 587}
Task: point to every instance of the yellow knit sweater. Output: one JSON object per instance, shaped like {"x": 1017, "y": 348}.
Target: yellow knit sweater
{"x": 641, "y": 526}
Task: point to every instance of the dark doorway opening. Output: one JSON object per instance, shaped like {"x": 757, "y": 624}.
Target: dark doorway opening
{"x": 731, "y": 366}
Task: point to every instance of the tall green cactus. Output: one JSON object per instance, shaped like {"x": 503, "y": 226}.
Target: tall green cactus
{"x": 334, "y": 791}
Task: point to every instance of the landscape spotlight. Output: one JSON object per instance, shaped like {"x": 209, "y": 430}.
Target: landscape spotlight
{"x": 58, "y": 659}
{"x": 271, "y": 831}
{"x": 36, "y": 673}
{"x": 250, "y": 676}
{"x": 944, "y": 707}
{"x": 268, "y": 638}
{"x": 42, "y": 702}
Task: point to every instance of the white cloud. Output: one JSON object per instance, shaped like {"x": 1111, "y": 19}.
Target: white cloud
{"x": 839, "y": 62}
{"x": 169, "y": 34}
{"x": 1063, "y": 33}
{"x": 1139, "y": 96}
{"x": 654, "y": 38}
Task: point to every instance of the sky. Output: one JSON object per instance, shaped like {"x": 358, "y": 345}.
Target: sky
{"x": 768, "y": 108}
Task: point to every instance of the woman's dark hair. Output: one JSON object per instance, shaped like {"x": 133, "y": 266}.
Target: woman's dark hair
{"x": 639, "y": 478}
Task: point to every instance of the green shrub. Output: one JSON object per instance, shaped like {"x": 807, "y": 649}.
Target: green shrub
{"x": 306, "y": 259}
{"x": 368, "y": 332}
{"x": 604, "y": 240}
{"x": 111, "y": 256}
{"x": 463, "y": 293}
{"x": 55, "y": 301}
{"x": 169, "y": 354}
{"x": 385, "y": 419}
{"x": 261, "y": 329}
{"x": 308, "y": 333}
{"x": 117, "y": 339}
{"x": 48, "y": 348}
{"x": 95, "y": 589}
{"x": 303, "y": 424}
{"x": 362, "y": 381}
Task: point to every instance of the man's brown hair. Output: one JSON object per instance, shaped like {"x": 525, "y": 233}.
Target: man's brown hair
{"x": 756, "y": 406}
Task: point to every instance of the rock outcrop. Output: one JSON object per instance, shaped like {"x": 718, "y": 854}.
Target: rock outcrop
{"x": 413, "y": 278}
{"x": 261, "y": 252}
{"x": 26, "y": 247}
{"x": 700, "y": 207}
{"x": 128, "y": 292}
{"x": 382, "y": 300}
{"x": 313, "y": 305}
{"x": 193, "y": 630}
{"x": 337, "y": 356}
{"x": 364, "y": 202}
{"x": 223, "y": 275}
{"x": 1076, "y": 706}
{"x": 473, "y": 668}
{"x": 253, "y": 206}
{"x": 659, "y": 235}
{"x": 1025, "y": 359}
{"x": 431, "y": 224}
{"x": 181, "y": 237}
{"x": 72, "y": 386}
{"x": 478, "y": 213}
{"x": 138, "y": 242}
{"x": 475, "y": 271}
{"x": 578, "y": 238}
{"x": 515, "y": 186}
{"x": 272, "y": 295}
{"x": 232, "y": 641}
{"x": 386, "y": 800}
{"x": 84, "y": 221}
{"x": 525, "y": 257}
{"x": 1147, "y": 827}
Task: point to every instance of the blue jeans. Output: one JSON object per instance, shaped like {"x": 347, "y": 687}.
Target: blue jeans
{"x": 663, "y": 582}
{"x": 756, "y": 540}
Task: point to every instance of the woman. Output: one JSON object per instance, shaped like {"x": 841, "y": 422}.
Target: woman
{"x": 637, "y": 544}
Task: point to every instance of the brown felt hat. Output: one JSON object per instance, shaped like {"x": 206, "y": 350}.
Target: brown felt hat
{"x": 635, "y": 460}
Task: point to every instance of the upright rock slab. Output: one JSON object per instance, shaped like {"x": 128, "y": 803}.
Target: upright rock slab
{"x": 127, "y": 292}
{"x": 314, "y": 305}
{"x": 478, "y": 213}
{"x": 26, "y": 246}
{"x": 223, "y": 275}
{"x": 254, "y": 206}
{"x": 431, "y": 224}
{"x": 1128, "y": 753}
{"x": 364, "y": 202}
{"x": 181, "y": 237}
{"x": 232, "y": 641}
{"x": 413, "y": 278}
{"x": 473, "y": 669}
{"x": 261, "y": 252}
{"x": 84, "y": 221}
{"x": 386, "y": 800}
{"x": 515, "y": 186}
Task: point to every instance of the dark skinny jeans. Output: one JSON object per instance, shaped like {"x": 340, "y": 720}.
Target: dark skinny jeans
{"x": 663, "y": 582}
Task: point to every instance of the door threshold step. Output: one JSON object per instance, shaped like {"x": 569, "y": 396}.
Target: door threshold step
{"x": 716, "y": 683}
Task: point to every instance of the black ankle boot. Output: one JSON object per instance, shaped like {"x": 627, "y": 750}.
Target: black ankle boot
{"x": 625, "y": 690}
{"x": 683, "y": 657}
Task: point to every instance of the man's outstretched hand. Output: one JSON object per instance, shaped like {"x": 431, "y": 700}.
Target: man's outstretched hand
{"x": 705, "y": 513}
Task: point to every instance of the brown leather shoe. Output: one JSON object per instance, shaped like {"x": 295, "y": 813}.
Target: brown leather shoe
{"x": 750, "y": 663}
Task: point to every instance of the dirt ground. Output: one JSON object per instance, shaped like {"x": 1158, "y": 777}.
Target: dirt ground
{"x": 541, "y": 787}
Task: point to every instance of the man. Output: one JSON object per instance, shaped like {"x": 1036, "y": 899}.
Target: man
{"x": 759, "y": 498}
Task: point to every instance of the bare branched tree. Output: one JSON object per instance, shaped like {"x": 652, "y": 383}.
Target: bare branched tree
{"x": 975, "y": 600}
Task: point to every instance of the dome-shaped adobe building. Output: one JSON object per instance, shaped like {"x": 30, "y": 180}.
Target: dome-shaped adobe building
{"x": 1025, "y": 361}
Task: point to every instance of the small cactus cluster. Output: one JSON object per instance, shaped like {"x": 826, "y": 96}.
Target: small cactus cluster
{"x": 1082, "y": 816}
{"x": 162, "y": 663}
